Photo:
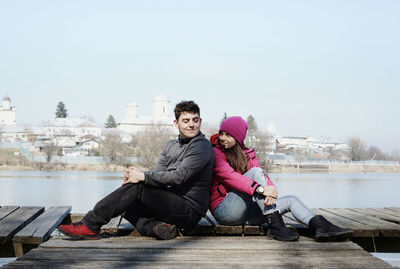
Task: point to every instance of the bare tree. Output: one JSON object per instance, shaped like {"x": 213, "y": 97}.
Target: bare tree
{"x": 260, "y": 142}
{"x": 50, "y": 150}
{"x": 149, "y": 143}
{"x": 337, "y": 154}
{"x": 374, "y": 153}
{"x": 357, "y": 149}
{"x": 113, "y": 148}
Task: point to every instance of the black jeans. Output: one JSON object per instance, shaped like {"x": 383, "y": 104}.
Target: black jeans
{"x": 144, "y": 207}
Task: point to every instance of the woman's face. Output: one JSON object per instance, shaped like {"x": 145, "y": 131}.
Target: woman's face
{"x": 227, "y": 141}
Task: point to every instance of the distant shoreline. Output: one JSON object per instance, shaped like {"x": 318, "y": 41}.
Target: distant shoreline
{"x": 270, "y": 168}
{"x": 332, "y": 168}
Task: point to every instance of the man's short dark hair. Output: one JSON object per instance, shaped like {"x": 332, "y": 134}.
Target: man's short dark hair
{"x": 186, "y": 106}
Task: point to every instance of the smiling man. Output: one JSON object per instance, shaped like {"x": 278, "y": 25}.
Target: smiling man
{"x": 174, "y": 194}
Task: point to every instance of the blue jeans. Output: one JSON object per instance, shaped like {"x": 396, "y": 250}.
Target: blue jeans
{"x": 240, "y": 208}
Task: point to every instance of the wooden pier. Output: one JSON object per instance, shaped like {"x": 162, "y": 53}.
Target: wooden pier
{"x": 214, "y": 246}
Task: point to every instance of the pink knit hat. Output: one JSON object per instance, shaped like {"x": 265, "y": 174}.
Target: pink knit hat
{"x": 236, "y": 127}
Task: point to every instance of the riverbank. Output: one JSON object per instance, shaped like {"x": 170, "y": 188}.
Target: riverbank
{"x": 65, "y": 167}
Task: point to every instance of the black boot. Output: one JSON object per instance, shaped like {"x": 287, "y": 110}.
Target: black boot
{"x": 164, "y": 231}
{"x": 326, "y": 231}
{"x": 277, "y": 228}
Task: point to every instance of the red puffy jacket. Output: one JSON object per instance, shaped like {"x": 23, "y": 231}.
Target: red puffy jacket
{"x": 226, "y": 179}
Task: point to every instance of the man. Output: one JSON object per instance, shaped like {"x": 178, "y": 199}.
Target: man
{"x": 174, "y": 194}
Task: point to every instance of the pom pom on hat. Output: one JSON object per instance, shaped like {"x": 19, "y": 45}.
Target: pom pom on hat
{"x": 236, "y": 127}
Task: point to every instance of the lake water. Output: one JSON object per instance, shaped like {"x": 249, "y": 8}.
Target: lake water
{"x": 82, "y": 190}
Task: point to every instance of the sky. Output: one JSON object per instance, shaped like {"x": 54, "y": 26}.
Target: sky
{"x": 314, "y": 68}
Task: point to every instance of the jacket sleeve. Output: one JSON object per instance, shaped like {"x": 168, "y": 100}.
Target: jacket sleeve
{"x": 198, "y": 155}
{"x": 225, "y": 174}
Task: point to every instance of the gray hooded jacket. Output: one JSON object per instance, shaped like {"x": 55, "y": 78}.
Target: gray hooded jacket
{"x": 185, "y": 168}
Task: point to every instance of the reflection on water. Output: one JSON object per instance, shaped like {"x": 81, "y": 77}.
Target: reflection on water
{"x": 82, "y": 190}
{"x": 341, "y": 190}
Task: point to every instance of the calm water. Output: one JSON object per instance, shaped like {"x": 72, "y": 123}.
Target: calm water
{"x": 82, "y": 190}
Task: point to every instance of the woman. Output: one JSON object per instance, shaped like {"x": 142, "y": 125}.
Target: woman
{"x": 242, "y": 192}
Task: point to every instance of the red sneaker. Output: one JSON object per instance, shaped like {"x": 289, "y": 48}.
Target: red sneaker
{"x": 78, "y": 230}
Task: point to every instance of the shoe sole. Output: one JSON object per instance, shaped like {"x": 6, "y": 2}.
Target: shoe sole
{"x": 80, "y": 237}
{"x": 165, "y": 232}
{"x": 334, "y": 236}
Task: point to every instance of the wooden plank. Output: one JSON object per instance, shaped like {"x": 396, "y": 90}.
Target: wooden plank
{"x": 205, "y": 242}
{"x": 384, "y": 227}
{"x": 40, "y": 229}
{"x": 199, "y": 264}
{"x": 389, "y": 212}
{"x": 395, "y": 209}
{"x": 67, "y": 255}
{"x": 203, "y": 252}
{"x": 359, "y": 229}
{"x": 17, "y": 220}
{"x": 381, "y": 213}
{"x": 228, "y": 230}
{"x": 7, "y": 210}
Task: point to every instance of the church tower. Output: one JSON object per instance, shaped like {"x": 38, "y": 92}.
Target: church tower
{"x": 161, "y": 107}
{"x": 131, "y": 112}
{"x": 7, "y": 113}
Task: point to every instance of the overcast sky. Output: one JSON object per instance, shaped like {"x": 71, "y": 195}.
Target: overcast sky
{"x": 314, "y": 68}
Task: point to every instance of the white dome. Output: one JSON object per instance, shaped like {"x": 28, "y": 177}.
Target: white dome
{"x": 6, "y": 98}
{"x": 161, "y": 97}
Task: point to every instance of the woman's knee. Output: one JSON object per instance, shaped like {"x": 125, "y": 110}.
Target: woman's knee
{"x": 232, "y": 210}
{"x": 257, "y": 174}
{"x": 229, "y": 217}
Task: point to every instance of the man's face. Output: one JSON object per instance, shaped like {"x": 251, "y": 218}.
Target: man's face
{"x": 188, "y": 124}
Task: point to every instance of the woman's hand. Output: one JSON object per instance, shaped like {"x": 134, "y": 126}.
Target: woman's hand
{"x": 270, "y": 191}
{"x": 269, "y": 201}
{"x": 133, "y": 175}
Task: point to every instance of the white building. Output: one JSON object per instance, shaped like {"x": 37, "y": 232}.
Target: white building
{"x": 133, "y": 122}
{"x": 7, "y": 113}
{"x": 13, "y": 134}
{"x": 70, "y": 129}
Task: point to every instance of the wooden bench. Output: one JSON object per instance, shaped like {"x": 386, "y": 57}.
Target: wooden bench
{"x": 14, "y": 218}
{"x": 39, "y": 230}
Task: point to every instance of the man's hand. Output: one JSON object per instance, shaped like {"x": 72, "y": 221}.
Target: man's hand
{"x": 133, "y": 175}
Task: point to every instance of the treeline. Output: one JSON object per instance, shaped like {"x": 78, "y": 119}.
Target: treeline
{"x": 360, "y": 152}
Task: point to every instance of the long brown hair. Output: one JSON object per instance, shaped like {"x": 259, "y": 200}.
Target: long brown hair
{"x": 236, "y": 158}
